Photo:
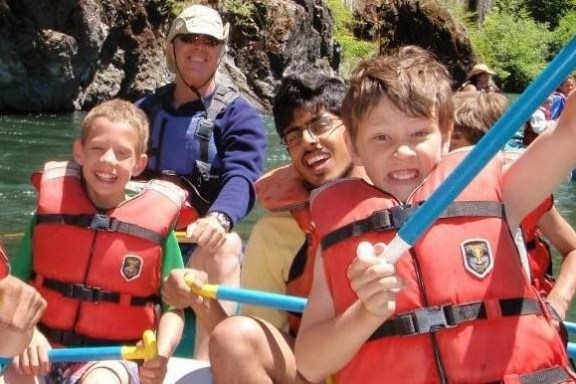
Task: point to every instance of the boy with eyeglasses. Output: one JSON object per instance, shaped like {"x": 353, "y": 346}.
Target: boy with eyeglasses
{"x": 257, "y": 347}
{"x": 208, "y": 139}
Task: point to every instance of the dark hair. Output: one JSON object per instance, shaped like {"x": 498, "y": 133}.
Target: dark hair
{"x": 310, "y": 89}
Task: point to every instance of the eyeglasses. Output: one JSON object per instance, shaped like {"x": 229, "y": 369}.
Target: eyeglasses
{"x": 319, "y": 127}
{"x": 193, "y": 38}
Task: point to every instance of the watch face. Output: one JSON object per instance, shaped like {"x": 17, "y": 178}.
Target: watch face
{"x": 222, "y": 219}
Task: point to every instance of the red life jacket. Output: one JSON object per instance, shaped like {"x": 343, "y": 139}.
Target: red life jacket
{"x": 4, "y": 262}
{"x": 99, "y": 272}
{"x": 467, "y": 314}
{"x": 281, "y": 190}
{"x": 539, "y": 255}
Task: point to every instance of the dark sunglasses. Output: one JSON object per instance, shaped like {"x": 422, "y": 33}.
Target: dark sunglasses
{"x": 193, "y": 38}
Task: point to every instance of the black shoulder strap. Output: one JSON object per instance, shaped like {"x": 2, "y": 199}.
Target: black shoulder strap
{"x": 393, "y": 218}
{"x": 152, "y": 106}
{"x": 99, "y": 222}
{"x": 223, "y": 97}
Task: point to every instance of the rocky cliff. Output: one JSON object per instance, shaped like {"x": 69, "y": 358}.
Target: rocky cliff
{"x": 64, "y": 55}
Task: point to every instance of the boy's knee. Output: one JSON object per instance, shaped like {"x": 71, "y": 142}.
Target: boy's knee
{"x": 236, "y": 334}
{"x": 233, "y": 245}
{"x": 106, "y": 372}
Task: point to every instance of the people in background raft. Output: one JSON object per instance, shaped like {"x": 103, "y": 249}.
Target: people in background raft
{"x": 480, "y": 79}
{"x": 560, "y": 95}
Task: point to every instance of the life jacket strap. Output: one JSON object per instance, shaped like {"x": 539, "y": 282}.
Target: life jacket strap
{"x": 554, "y": 375}
{"x": 104, "y": 223}
{"x": 432, "y": 319}
{"x": 393, "y": 219}
{"x": 93, "y": 294}
{"x": 73, "y": 339}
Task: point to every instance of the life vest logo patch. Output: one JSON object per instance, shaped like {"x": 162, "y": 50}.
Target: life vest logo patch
{"x": 478, "y": 257}
{"x": 131, "y": 267}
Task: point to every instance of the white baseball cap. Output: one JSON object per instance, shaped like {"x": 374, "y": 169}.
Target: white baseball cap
{"x": 201, "y": 20}
{"x": 196, "y": 19}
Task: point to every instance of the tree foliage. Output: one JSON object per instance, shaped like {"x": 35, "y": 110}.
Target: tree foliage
{"x": 514, "y": 45}
{"x": 549, "y": 11}
{"x": 565, "y": 31}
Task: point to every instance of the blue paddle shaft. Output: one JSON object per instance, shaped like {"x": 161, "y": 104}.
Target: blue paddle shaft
{"x": 497, "y": 136}
{"x": 62, "y": 355}
{"x": 570, "y": 326}
{"x": 571, "y": 350}
{"x": 265, "y": 299}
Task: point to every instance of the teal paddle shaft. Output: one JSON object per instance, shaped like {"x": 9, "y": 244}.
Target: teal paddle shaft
{"x": 532, "y": 97}
{"x": 571, "y": 350}
{"x": 79, "y": 354}
{"x": 570, "y": 327}
{"x": 146, "y": 350}
{"x": 261, "y": 298}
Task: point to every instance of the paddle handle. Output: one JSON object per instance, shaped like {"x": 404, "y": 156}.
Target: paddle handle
{"x": 248, "y": 296}
{"x": 148, "y": 350}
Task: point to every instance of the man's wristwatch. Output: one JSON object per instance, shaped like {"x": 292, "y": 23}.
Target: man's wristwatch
{"x": 222, "y": 219}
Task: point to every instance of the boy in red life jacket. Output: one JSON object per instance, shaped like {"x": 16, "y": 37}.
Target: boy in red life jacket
{"x": 257, "y": 346}
{"x": 457, "y": 307}
{"x": 20, "y": 309}
{"x": 474, "y": 114}
{"x": 98, "y": 256}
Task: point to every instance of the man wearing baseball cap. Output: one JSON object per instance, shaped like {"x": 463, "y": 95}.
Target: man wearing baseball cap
{"x": 206, "y": 137}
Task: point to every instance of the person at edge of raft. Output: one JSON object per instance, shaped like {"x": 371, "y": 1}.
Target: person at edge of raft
{"x": 98, "y": 256}
{"x": 462, "y": 312}
{"x": 20, "y": 309}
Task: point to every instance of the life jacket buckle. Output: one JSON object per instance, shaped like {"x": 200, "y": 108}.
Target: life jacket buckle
{"x": 81, "y": 292}
{"x": 102, "y": 222}
{"x": 432, "y": 319}
{"x": 400, "y": 214}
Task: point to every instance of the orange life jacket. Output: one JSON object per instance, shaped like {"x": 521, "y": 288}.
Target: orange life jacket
{"x": 282, "y": 190}
{"x": 539, "y": 255}
{"x": 4, "y": 262}
{"x": 99, "y": 271}
{"x": 468, "y": 313}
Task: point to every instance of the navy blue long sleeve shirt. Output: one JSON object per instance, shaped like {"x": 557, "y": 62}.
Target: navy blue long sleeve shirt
{"x": 240, "y": 142}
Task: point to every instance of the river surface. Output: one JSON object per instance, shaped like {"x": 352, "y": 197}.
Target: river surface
{"x": 28, "y": 141}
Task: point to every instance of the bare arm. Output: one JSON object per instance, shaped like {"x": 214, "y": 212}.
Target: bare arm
{"x": 318, "y": 352}
{"x": 169, "y": 332}
{"x": 563, "y": 238}
{"x": 541, "y": 168}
